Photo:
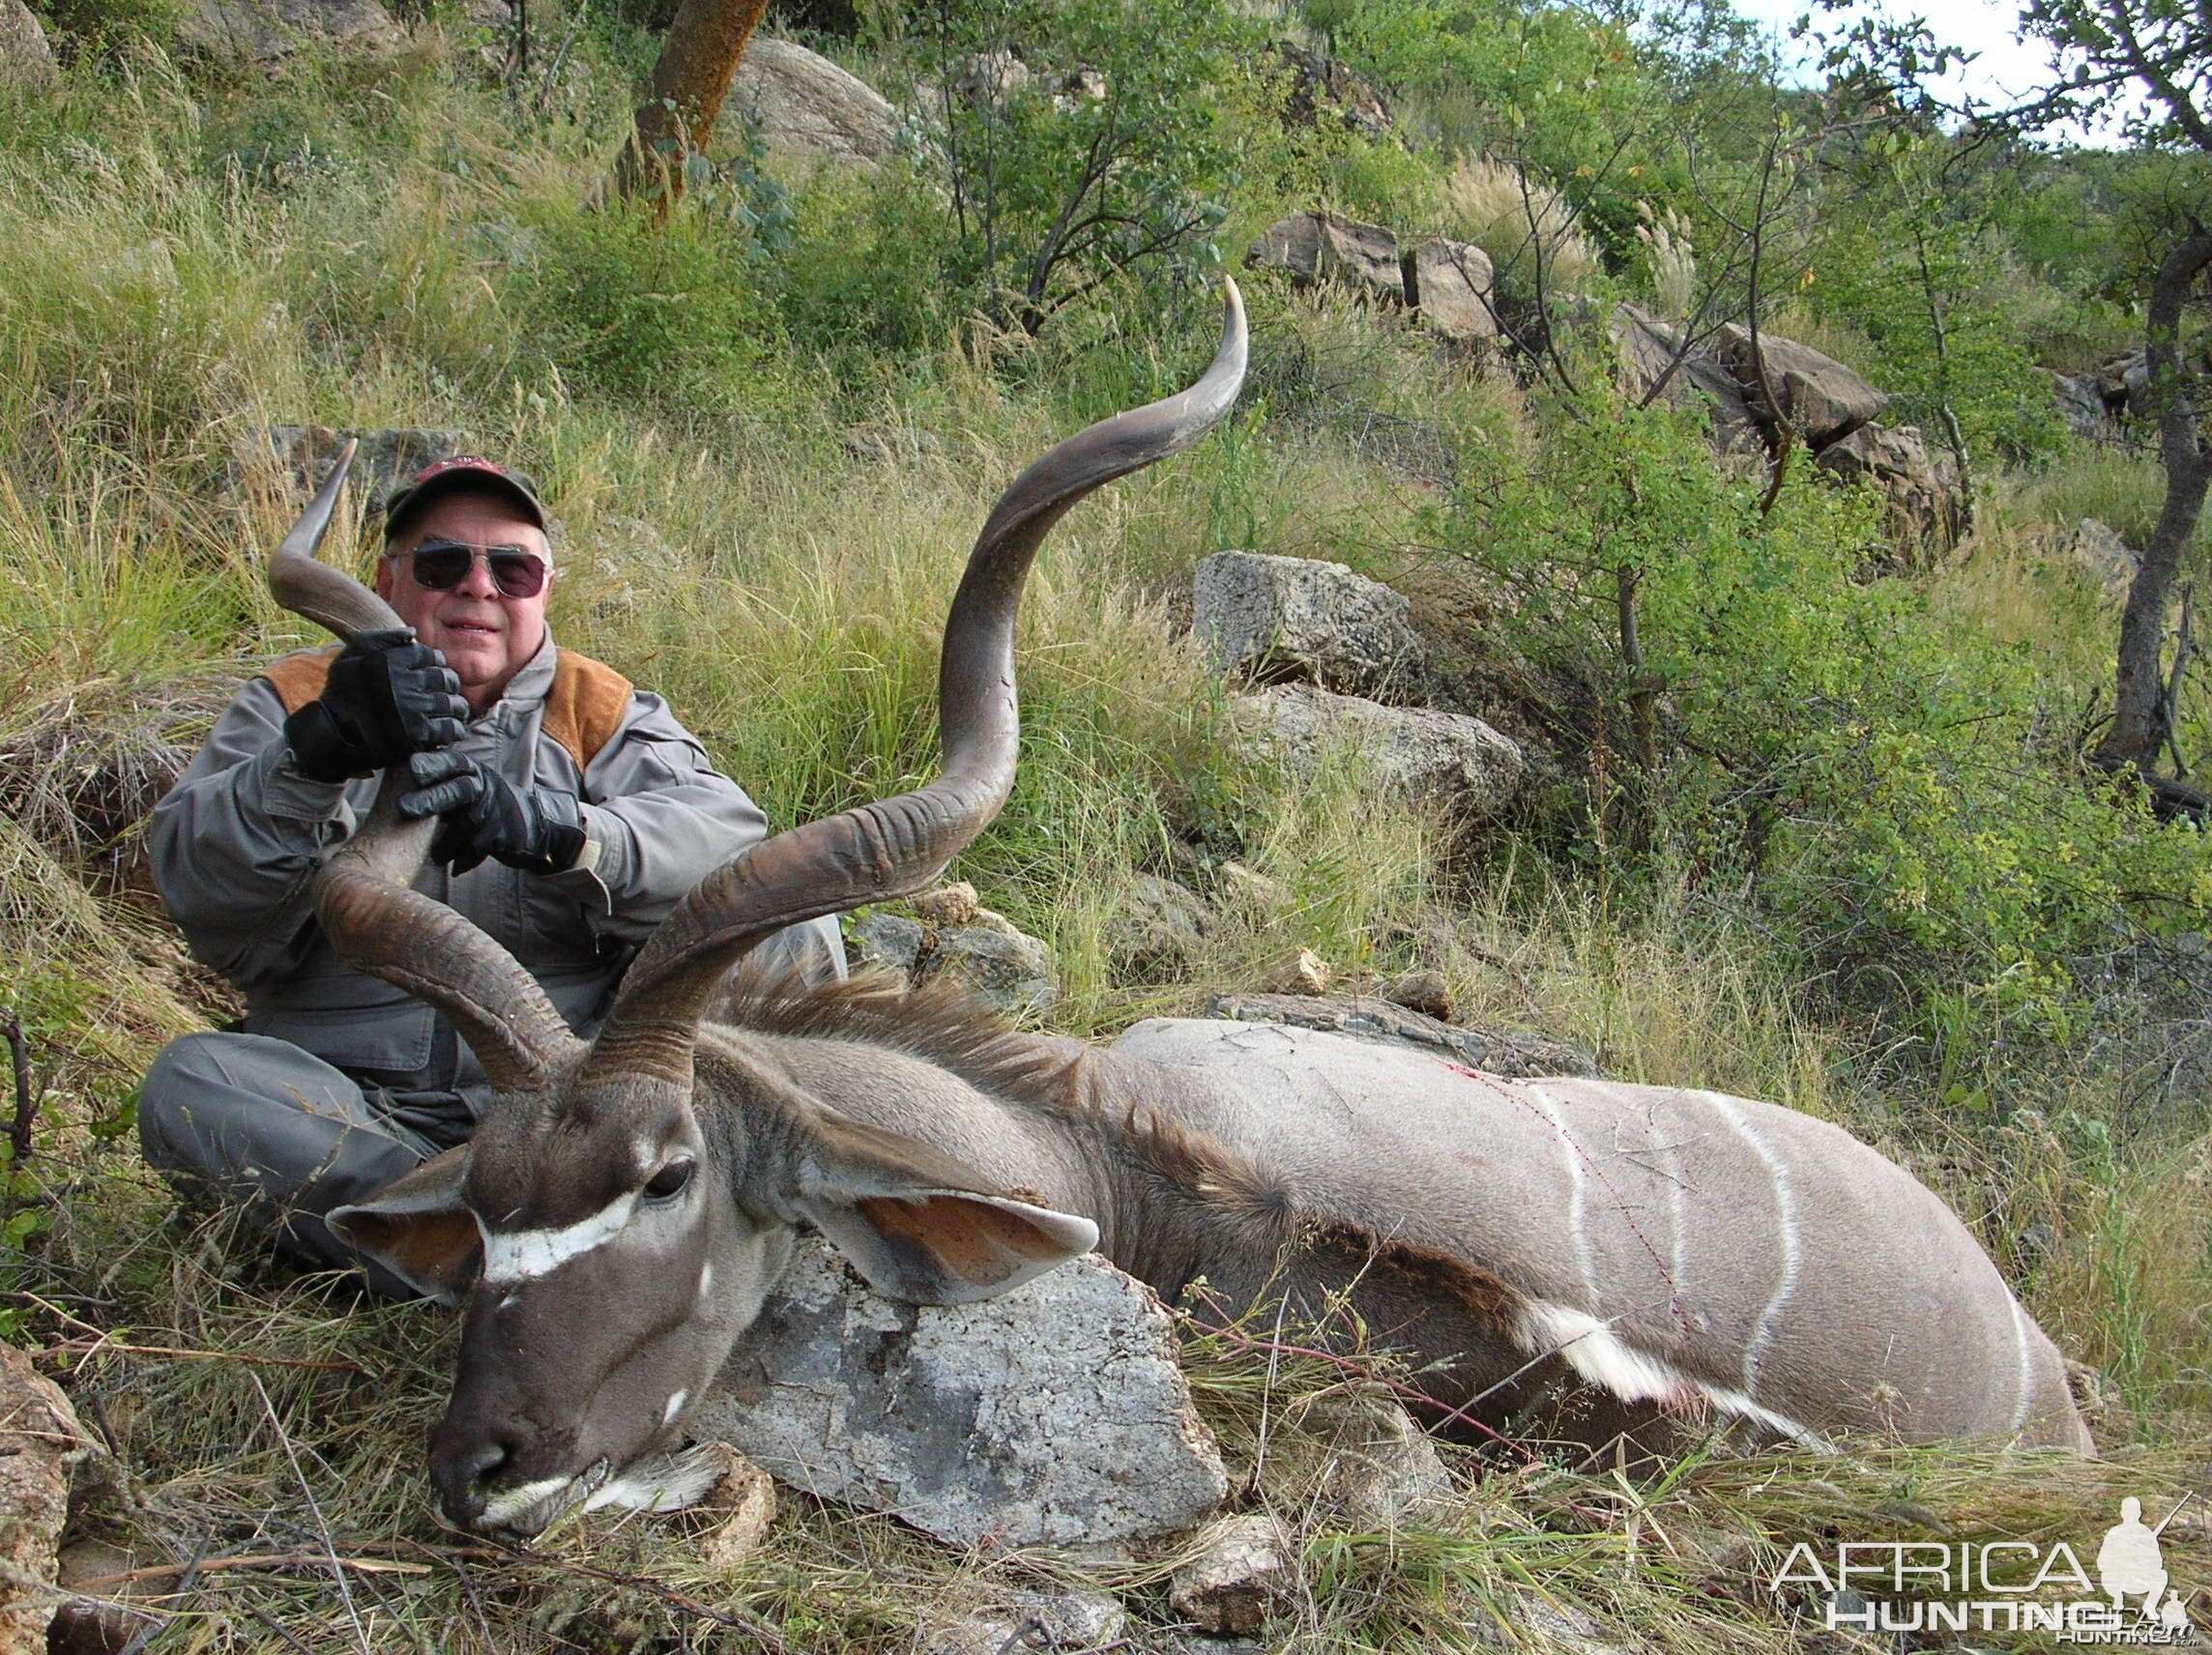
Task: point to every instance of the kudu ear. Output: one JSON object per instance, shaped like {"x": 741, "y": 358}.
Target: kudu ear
{"x": 895, "y": 1207}
{"x": 418, "y": 1229}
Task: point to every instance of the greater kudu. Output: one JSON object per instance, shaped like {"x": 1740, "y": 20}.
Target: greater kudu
{"x": 1660, "y": 1256}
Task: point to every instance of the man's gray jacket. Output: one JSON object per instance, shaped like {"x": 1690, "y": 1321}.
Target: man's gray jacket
{"x": 236, "y": 844}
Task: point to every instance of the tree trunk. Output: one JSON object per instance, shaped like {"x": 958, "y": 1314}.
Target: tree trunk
{"x": 2139, "y": 717}
{"x": 689, "y": 80}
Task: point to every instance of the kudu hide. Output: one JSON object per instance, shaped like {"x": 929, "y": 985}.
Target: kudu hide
{"x": 1569, "y": 1257}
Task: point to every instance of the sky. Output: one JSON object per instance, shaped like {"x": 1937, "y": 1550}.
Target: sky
{"x": 2004, "y": 69}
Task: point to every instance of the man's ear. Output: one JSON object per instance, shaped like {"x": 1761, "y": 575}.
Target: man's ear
{"x": 913, "y": 1223}
{"x": 418, "y": 1229}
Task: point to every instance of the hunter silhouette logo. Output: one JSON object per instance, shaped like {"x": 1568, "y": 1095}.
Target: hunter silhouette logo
{"x": 2004, "y": 1585}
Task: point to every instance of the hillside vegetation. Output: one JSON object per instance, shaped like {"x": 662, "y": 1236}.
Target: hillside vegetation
{"x": 1824, "y": 836}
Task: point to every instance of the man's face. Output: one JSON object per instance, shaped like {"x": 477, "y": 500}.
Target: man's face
{"x": 486, "y": 636}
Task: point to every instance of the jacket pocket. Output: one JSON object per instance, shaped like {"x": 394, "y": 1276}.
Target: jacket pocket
{"x": 353, "y": 1021}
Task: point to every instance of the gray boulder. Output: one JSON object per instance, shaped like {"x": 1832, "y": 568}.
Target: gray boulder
{"x": 1513, "y": 1055}
{"x": 1923, "y": 498}
{"x": 1316, "y": 248}
{"x": 1005, "y": 970}
{"x": 267, "y": 30}
{"x": 890, "y": 942}
{"x": 811, "y": 112}
{"x": 1034, "y": 1623}
{"x": 1446, "y": 282}
{"x": 1243, "y": 1575}
{"x": 1052, "y": 1415}
{"x": 2082, "y": 406}
{"x": 26, "y": 59}
{"x": 1274, "y": 618}
{"x": 1445, "y": 755}
{"x": 1819, "y": 396}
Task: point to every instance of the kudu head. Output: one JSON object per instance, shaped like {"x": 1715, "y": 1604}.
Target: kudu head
{"x": 613, "y": 1236}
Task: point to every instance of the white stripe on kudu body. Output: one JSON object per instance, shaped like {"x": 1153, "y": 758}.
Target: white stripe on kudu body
{"x": 1667, "y": 1244}
{"x": 1789, "y": 1241}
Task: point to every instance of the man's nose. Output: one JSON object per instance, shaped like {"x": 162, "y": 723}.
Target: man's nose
{"x": 477, "y": 581}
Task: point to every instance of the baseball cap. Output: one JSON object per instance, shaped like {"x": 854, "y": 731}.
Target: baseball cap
{"x": 463, "y": 471}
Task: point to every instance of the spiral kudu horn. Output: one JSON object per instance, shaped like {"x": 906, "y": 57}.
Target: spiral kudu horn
{"x": 373, "y": 918}
{"x": 899, "y": 845}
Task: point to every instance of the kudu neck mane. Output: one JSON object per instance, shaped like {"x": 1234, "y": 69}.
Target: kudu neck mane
{"x": 1166, "y": 1187}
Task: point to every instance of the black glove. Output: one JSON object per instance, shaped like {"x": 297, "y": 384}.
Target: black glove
{"x": 387, "y": 697}
{"x": 534, "y": 828}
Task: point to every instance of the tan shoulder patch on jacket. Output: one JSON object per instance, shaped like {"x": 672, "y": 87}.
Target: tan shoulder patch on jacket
{"x": 299, "y": 678}
{"x": 583, "y": 710}
{"x": 585, "y": 706}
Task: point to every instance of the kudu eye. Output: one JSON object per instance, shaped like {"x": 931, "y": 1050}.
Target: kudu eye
{"x": 670, "y": 1179}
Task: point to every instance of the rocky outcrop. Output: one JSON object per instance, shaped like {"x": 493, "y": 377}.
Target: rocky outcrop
{"x": 1447, "y": 284}
{"x": 1823, "y": 400}
{"x": 266, "y": 31}
{"x": 1317, "y": 247}
{"x": 26, "y": 59}
{"x": 1653, "y": 358}
{"x": 1923, "y": 502}
{"x": 1446, "y": 757}
{"x": 1515, "y": 1055}
{"x": 1271, "y": 619}
{"x": 1033, "y": 1623}
{"x": 1825, "y": 404}
{"x": 810, "y": 112}
{"x": 1050, "y": 1415}
{"x": 1442, "y": 284}
{"x": 1315, "y": 88}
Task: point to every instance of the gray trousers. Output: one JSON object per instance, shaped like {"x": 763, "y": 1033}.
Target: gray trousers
{"x": 257, "y": 1122}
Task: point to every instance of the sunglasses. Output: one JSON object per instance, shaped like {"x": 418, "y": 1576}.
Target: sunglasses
{"x": 440, "y": 566}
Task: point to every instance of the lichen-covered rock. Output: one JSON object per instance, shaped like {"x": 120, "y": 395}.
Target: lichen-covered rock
{"x": 1241, "y": 1575}
{"x": 1515, "y": 1055}
{"x": 810, "y": 112}
{"x": 1052, "y": 1415}
{"x": 1007, "y": 971}
{"x": 1446, "y": 285}
{"x": 1382, "y": 1468}
{"x": 1443, "y": 756}
{"x": 1275, "y": 620}
{"x": 26, "y": 59}
{"x": 1315, "y": 247}
{"x": 889, "y": 941}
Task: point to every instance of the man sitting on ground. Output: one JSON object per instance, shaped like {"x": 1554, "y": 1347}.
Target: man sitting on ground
{"x": 575, "y": 812}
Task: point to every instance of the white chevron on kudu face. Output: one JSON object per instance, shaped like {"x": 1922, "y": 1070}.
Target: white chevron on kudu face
{"x": 1570, "y": 1259}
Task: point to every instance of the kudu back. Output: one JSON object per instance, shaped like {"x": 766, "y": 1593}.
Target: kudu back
{"x": 1564, "y": 1258}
